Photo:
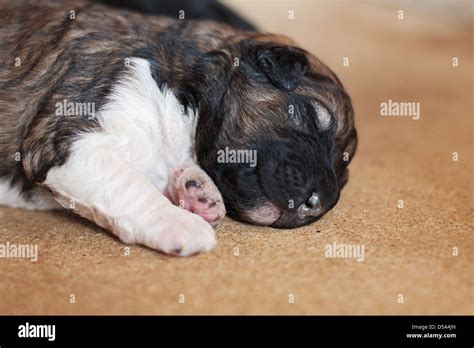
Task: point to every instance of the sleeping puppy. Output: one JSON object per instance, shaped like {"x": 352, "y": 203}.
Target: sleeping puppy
{"x": 124, "y": 119}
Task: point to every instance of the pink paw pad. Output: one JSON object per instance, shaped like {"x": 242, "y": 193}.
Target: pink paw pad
{"x": 193, "y": 190}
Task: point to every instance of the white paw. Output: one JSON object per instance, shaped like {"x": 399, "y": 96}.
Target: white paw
{"x": 180, "y": 233}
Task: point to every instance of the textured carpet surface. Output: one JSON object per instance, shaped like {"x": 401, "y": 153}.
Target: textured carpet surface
{"x": 418, "y": 258}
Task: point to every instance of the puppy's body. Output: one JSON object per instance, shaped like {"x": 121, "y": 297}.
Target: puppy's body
{"x": 113, "y": 167}
{"x": 167, "y": 95}
{"x": 140, "y": 123}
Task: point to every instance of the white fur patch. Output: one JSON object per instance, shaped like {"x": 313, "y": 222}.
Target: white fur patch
{"x": 145, "y": 125}
{"x": 116, "y": 177}
{"x": 324, "y": 117}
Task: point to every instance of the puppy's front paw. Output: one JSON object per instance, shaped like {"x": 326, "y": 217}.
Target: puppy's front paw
{"x": 180, "y": 233}
{"x": 192, "y": 189}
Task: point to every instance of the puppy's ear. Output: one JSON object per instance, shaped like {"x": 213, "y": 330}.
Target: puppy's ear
{"x": 283, "y": 65}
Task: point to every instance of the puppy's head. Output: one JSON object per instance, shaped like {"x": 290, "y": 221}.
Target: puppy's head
{"x": 276, "y": 133}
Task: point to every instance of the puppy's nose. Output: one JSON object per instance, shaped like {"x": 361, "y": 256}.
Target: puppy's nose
{"x": 312, "y": 207}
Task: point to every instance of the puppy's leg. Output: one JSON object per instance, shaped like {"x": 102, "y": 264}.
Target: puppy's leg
{"x": 192, "y": 189}
{"x": 98, "y": 185}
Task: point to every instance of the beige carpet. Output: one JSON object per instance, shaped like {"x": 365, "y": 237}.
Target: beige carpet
{"x": 408, "y": 251}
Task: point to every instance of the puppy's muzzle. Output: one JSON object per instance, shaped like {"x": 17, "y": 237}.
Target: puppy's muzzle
{"x": 312, "y": 207}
